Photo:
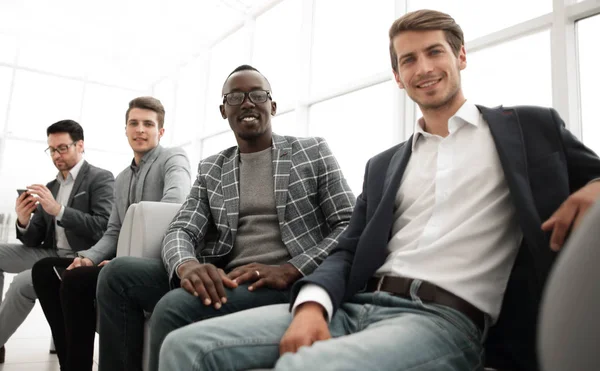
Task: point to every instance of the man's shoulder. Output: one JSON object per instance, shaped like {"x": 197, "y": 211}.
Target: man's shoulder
{"x": 168, "y": 152}
{"x": 218, "y": 158}
{"x": 389, "y": 153}
{"x": 95, "y": 172}
{"x": 305, "y": 145}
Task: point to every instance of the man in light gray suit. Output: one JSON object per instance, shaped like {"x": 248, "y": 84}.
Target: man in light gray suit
{"x": 69, "y": 214}
{"x": 155, "y": 174}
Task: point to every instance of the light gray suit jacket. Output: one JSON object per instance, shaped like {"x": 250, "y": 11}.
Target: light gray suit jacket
{"x": 164, "y": 176}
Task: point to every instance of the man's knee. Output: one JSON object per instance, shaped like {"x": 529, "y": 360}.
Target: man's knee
{"x": 22, "y": 285}
{"x": 122, "y": 272}
{"x": 43, "y": 268}
{"x": 115, "y": 272}
{"x": 173, "y": 308}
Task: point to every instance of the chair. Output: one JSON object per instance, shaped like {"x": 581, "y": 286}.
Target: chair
{"x": 569, "y": 330}
{"x": 141, "y": 235}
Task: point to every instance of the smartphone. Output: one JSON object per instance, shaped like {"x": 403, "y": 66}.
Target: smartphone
{"x": 59, "y": 271}
{"x": 20, "y": 192}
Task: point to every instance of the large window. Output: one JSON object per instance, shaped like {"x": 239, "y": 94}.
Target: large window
{"x": 356, "y": 126}
{"x": 512, "y": 73}
{"x": 350, "y": 42}
{"x": 588, "y": 31}
{"x": 277, "y": 53}
{"x": 189, "y": 104}
{"x": 8, "y": 51}
{"x": 49, "y": 56}
{"x": 478, "y": 18}
{"x": 165, "y": 92}
{"x": 217, "y": 143}
{"x": 103, "y": 117}
{"x": 39, "y": 100}
{"x": 286, "y": 124}
{"x": 224, "y": 57}
{"x": 5, "y": 83}
{"x": 32, "y": 167}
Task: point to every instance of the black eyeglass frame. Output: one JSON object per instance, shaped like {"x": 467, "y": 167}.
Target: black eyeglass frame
{"x": 62, "y": 149}
{"x": 248, "y": 96}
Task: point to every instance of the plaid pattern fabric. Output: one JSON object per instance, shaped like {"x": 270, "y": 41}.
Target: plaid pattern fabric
{"x": 314, "y": 204}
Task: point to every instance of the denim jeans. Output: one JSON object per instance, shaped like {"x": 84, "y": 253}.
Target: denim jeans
{"x": 373, "y": 331}
{"x": 128, "y": 287}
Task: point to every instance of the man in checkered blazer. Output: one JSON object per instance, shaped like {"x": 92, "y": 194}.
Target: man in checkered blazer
{"x": 260, "y": 216}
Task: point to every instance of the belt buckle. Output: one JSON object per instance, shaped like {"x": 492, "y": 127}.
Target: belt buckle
{"x": 379, "y": 283}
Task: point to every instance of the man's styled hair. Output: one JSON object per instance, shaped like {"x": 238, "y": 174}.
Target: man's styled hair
{"x": 244, "y": 67}
{"x": 426, "y": 20}
{"x": 149, "y": 103}
{"x": 66, "y": 126}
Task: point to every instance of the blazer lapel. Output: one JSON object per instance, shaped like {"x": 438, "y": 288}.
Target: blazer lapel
{"x": 508, "y": 137}
{"x": 231, "y": 195}
{"x": 282, "y": 161}
{"x": 396, "y": 168}
{"x": 80, "y": 177}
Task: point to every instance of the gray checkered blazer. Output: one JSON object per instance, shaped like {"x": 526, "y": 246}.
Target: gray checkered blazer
{"x": 313, "y": 200}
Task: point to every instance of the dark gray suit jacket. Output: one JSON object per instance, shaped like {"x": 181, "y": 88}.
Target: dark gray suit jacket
{"x": 164, "y": 176}
{"x": 86, "y": 213}
{"x": 543, "y": 164}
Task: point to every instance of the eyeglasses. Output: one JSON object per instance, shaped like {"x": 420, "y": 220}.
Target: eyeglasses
{"x": 237, "y": 98}
{"x": 62, "y": 149}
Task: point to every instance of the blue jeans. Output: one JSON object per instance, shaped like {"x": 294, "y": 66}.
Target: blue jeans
{"x": 128, "y": 287}
{"x": 374, "y": 331}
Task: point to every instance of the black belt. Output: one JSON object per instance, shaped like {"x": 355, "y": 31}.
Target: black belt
{"x": 428, "y": 293}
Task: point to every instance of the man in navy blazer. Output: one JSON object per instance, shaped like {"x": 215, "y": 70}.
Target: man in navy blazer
{"x": 449, "y": 245}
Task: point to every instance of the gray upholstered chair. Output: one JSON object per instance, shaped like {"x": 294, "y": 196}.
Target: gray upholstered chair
{"x": 569, "y": 331}
{"x": 141, "y": 235}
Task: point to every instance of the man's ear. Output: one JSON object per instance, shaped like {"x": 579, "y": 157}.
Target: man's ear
{"x": 462, "y": 58}
{"x": 80, "y": 146}
{"x": 273, "y": 108}
{"x": 398, "y": 80}
{"x": 222, "y": 109}
{"x": 161, "y": 132}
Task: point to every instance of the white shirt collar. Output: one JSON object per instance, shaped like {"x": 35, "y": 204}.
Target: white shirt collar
{"x": 468, "y": 113}
{"x": 73, "y": 172}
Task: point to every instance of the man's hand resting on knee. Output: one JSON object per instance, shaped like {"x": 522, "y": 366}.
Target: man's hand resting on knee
{"x": 309, "y": 325}
{"x": 276, "y": 277}
{"x": 205, "y": 281}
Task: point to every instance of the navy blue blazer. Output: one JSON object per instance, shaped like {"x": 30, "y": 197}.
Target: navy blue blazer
{"x": 543, "y": 164}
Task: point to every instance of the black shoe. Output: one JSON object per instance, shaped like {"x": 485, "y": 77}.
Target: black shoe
{"x": 2, "y": 354}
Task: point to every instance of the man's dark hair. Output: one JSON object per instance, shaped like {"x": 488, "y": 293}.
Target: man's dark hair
{"x": 66, "y": 126}
{"x": 149, "y": 103}
{"x": 426, "y": 20}
{"x": 244, "y": 67}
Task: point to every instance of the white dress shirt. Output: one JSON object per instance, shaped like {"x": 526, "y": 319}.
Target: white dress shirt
{"x": 62, "y": 197}
{"x": 455, "y": 224}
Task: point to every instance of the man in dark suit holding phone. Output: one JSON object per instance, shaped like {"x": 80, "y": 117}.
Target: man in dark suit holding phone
{"x": 57, "y": 219}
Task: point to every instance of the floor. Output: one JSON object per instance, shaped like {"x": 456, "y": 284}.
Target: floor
{"x": 28, "y": 348}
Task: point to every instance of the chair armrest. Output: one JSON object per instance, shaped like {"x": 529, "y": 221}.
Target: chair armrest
{"x": 144, "y": 227}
